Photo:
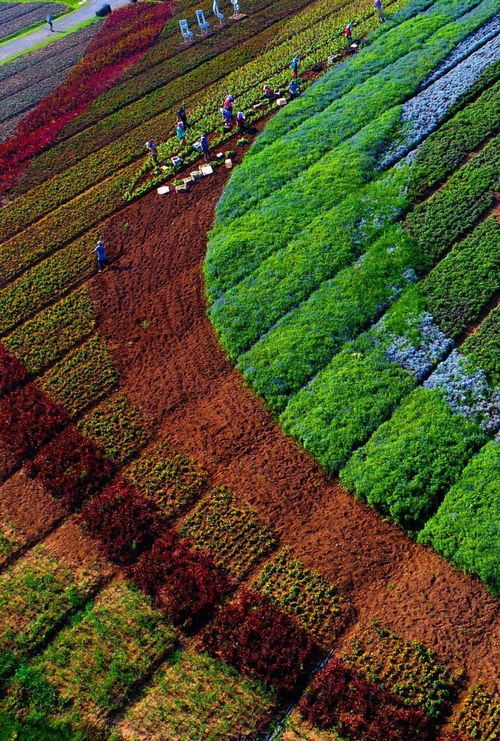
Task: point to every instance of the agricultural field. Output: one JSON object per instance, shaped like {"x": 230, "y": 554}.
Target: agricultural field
{"x": 249, "y": 472}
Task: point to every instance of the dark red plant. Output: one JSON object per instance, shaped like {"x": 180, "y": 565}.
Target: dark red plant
{"x": 259, "y": 639}
{"x": 71, "y": 467}
{"x": 28, "y": 417}
{"x": 122, "y": 520}
{"x": 185, "y": 583}
{"x": 341, "y": 698}
{"x": 12, "y": 371}
{"x": 126, "y": 34}
{"x": 451, "y": 736}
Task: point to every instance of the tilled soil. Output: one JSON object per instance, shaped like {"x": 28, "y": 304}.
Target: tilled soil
{"x": 152, "y": 312}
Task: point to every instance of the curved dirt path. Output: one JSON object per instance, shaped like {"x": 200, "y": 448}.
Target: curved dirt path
{"x": 152, "y": 314}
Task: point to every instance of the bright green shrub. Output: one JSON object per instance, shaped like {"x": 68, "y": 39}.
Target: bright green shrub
{"x": 412, "y": 459}
{"x": 465, "y": 529}
{"x": 483, "y": 347}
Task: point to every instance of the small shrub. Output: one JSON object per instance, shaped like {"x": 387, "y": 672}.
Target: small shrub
{"x": 260, "y": 640}
{"x": 28, "y": 417}
{"x": 12, "y": 371}
{"x": 185, "y": 583}
{"x": 122, "y": 520}
{"x": 71, "y": 467}
{"x": 359, "y": 710}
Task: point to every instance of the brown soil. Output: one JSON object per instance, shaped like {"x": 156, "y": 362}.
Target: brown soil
{"x": 28, "y": 510}
{"x": 151, "y": 310}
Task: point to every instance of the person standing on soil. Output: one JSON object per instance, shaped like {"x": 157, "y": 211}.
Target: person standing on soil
{"x": 180, "y": 133}
{"x": 294, "y": 66}
{"x": 153, "y": 151}
{"x": 181, "y": 115}
{"x": 378, "y": 7}
{"x": 101, "y": 255}
{"x": 50, "y": 22}
{"x": 205, "y": 147}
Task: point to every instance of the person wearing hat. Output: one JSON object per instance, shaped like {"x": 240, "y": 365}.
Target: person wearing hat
{"x": 348, "y": 33}
{"x": 101, "y": 255}
{"x": 228, "y": 103}
{"x": 378, "y": 8}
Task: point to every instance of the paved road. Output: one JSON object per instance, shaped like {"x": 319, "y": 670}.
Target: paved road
{"x": 65, "y": 23}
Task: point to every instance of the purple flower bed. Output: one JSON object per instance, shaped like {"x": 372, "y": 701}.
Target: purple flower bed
{"x": 467, "y": 391}
{"x": 422, "y": 114}
{"x": 419, "y": 360}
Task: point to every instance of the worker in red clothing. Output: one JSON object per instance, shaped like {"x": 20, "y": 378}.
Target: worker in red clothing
{"x": 348, "y": 33}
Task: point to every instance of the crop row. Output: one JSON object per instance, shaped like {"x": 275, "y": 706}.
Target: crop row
{"x": 303, "y": 341}
{"x": 233, "y": 254}
{"x": 364, "y": 92}
{"x": 50, "y": 334}
{"x": 316, "y": 605}
{"x": 336, "y": 237}
{"x": 192, "y": 696}
{"x": 478, "y": 715}
{"x": 405, "y": 668}
{"x": 17, "y": 17}
{"x": 122, "y": 38}
{"x": 37, "y": 593}
{"x": 362, "y": 385}
{"x": 232, "y": 533}
{"x": 342, "y": 699}
{"x": 207, "y": 116}
{"x": 152, "y": 72}
{"x": 126, "y": 148}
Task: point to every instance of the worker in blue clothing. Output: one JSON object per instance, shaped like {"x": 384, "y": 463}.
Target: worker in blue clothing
{"x": 50, "y": 22}
{"x": 294, "y": 66}
{"x": 294, "y": 88}
{"x": 101, "y": 255}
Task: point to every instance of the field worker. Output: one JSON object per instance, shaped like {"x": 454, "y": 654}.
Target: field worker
{"x": 348, "y": 33}
{"x": 241, "y": 122}
{"x": 101, "y": 255}
{"x": 378, "y": 7}
{"x": 205, "y": 147}
{"x": 181, "y": 115}
{"x": 227, "y": 117}
{"x": 180, "y": 133}
{"x": 50, "y": 22}
{"x": 294, "y": 66}
{"x": 153, "y": 151}
{"x": 228, "y": 103}
{"x": 293, "y": 88}
{"x": 268, "y": 93}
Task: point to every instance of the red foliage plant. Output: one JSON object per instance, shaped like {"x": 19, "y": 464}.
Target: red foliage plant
{"x": 12, "y": 371}
{"x": 259, "y": 639}
{"x": 127, "y": 33}
{"x": 122, "y": 521}
{"x": 71, "y": 467}
{"x": 28, "y": 417}
{"x": 341, "y": 698}
{"x": 185, "y": 583}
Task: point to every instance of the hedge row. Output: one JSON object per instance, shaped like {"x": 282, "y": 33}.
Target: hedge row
{"x": 365, "y": 381}
{"x": 51, "y": 333}
{"x": 303, "y": 341}
{"x": 150, "y": 118}
{"x": 464, "y": 528}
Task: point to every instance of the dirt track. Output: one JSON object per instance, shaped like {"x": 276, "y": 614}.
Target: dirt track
{"x": 151, "y": 310}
